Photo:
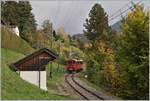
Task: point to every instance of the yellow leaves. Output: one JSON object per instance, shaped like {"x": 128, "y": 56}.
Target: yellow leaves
{"x": 108, "y": 52}
{"x": 63, "y": 34}
{"x": 129, "y": 15}
{"x": 87, "y": 45}
{"x": 65, "y": 49}
{"x": 138, "y": 12}
{"x": 101, "y": 46}
{"x": 125, "y": 27}
{"x": 111, "y": 73}
{"x": 137, "y": 15}
{"x": 136, "y": 22}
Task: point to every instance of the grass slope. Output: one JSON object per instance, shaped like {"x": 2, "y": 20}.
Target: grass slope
{"x": 13, "y": 87}
{"x": 12, "y": 41}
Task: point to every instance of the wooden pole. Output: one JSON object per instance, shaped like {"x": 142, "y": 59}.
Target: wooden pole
{"x": 58, "y": 59}
{"x": 39, "y": 73}
{"x": 51, "y": 70}
{"x": 51, "y": 62}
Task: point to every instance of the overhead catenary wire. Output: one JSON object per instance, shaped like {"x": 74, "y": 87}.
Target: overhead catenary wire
{"x": 120, "y": 9}
{"x": 121, "y": 13}
{"x": 75, "y": 7}
{"x": 68, "y": 14}
{"x": 68, "y": 17}
{"x": 68, "y": 20}
{"x": 56, "y": 17}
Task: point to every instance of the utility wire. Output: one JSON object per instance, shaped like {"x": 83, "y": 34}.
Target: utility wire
{"x": 68, "y": 13}
{"x": 120, "y": 9}
{"x": 73, "y": 12}
{"x": 57, "y": 12}
{"x": 70, "y": 17}
{"x": 112, "y": 18}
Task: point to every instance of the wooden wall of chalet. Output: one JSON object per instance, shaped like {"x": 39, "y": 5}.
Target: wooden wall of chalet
{"x": 35, "y": 63}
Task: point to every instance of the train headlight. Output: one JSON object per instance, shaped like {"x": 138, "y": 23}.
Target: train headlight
{"x": 85, "y": 76}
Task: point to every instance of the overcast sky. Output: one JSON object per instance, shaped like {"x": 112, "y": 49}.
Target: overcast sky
{"x": 71, "y": 14}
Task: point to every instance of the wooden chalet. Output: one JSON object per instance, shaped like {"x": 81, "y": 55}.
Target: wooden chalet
{"x": 32, "y": 67}
{"x": 35, "y": 61}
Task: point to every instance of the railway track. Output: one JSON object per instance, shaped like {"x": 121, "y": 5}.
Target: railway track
{"x": 81, "y": 90}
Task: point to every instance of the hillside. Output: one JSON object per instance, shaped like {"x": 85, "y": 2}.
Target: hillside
{"x": 117, "y": 26}
{"x": 11, "y": 41}
{"x": 80, "y": 37}
{"x": 13, "y": 87}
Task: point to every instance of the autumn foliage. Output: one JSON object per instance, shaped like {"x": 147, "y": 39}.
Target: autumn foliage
{"x": 119, "y": 62}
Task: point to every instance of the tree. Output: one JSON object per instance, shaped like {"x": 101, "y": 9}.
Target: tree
{"x": 48, "y": 30}
{"x": 26, "y": 21}
{"x": 54, "y": 35}
{"x": 63, "y": 35}
{"x": 39, "y": 40}
{"x": 19, "y": 14}
{"x": 96, "y": 23}
{"x": 29, "y": 37}
{"x": 101, "y": 63}
{"x": 9, "y": 12}
{"x": 134, "y": 52}
{"x": 47, "y": 27}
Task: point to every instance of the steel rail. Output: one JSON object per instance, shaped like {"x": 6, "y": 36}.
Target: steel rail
{"x": 76, "y": 89}
{"x": 87, "y": 89}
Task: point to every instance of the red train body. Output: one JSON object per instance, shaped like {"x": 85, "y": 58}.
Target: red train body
{"x": 74, "y": 65}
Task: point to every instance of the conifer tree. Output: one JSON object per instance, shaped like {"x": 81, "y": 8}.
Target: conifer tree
{"x": 96, "y": 23}
{"x": 9, "y": 12}
{"x": 19, "y": 14}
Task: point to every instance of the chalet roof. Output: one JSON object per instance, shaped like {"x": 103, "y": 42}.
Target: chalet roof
{"x": 35, "y": 61}
{"x": 2, "y": 22}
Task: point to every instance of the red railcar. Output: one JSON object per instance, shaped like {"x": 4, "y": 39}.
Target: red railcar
{"x": 74, "y": 65}
{"x": 79, "y": 64}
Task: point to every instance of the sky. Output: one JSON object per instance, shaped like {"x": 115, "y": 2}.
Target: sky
{"x": 71, "y": 14}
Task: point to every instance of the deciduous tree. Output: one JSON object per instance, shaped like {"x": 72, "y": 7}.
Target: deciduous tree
{"x": 134, "y": 52}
